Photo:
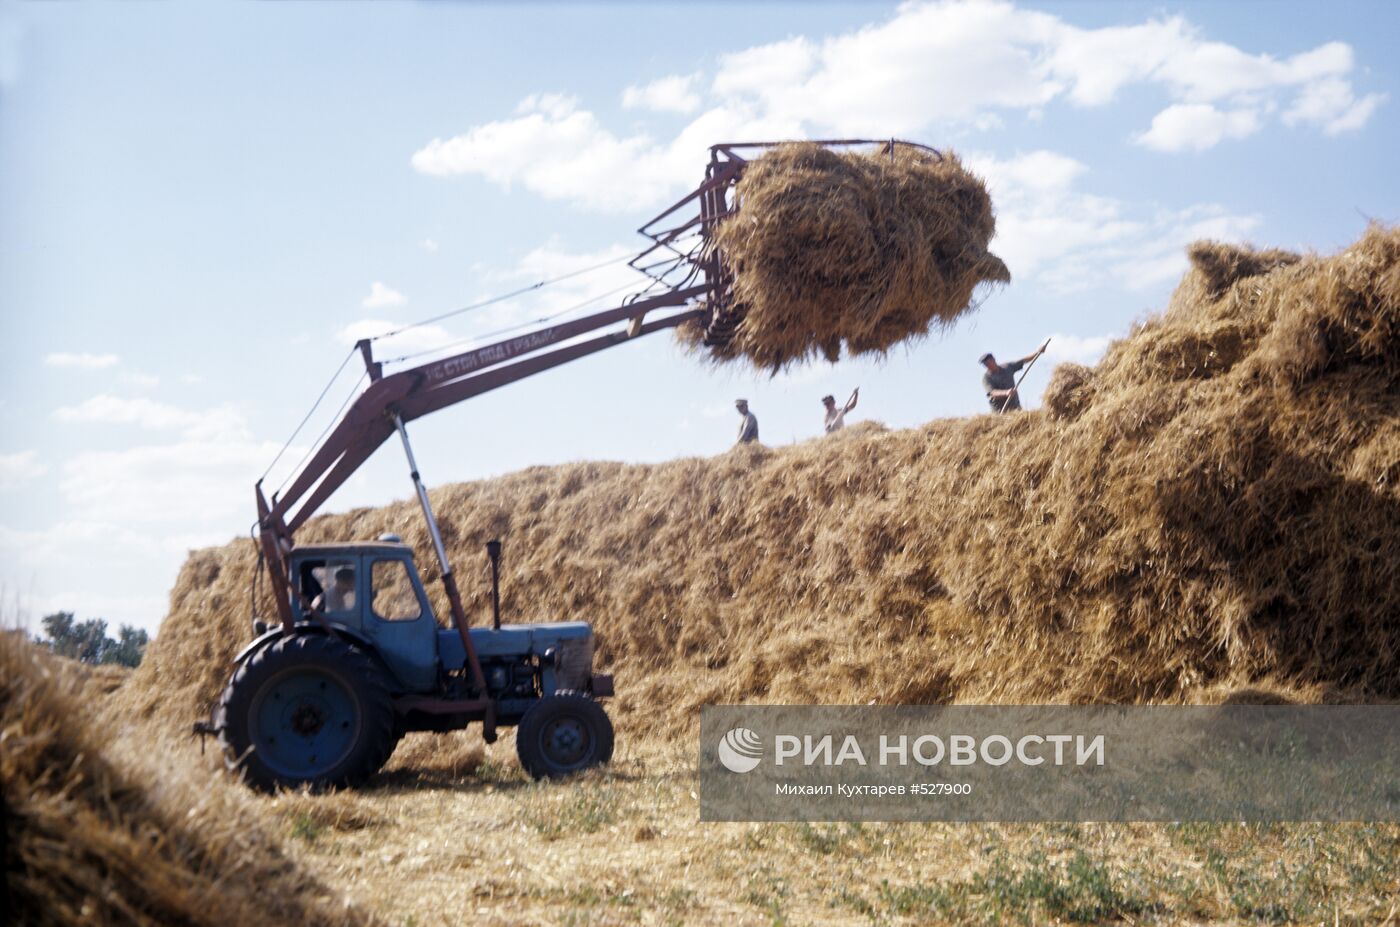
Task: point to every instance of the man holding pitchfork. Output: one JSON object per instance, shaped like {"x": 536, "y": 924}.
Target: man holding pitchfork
{"x": 1000, "y": 382}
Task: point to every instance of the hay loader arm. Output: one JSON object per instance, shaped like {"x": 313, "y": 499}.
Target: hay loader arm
{"x": 389, "y": 402}
{"x": 683, "y": 265}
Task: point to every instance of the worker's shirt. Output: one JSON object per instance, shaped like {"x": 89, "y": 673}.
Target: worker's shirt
{"x": 335, "y": 600}
{"x": 835, "y": 420}
{"x": 1003, "y": 377}
{"x": 748, "y": 429}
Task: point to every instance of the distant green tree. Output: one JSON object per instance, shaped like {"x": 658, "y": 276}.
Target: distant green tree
{"x": 87, "y": 641}
{"x": 131, "y": 645}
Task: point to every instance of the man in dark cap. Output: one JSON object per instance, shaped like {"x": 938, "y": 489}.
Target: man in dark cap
{"x": 748, "y": 428}
{"x": 999, "y": 382}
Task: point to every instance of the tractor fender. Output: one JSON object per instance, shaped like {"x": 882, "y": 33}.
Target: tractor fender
{"x": 304, "y": 627}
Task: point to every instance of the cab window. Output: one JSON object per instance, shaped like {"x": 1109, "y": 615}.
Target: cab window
{"x": 395, "y": 598}
{"x": 331, "y": 585}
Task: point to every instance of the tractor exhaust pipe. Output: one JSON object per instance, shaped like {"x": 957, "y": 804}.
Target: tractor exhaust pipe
{"x": 493, "y": 551}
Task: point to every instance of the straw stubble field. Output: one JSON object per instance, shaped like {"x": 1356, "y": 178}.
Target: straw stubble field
{"x": 1211, "y": 513}
{"x": 624, "y": 846}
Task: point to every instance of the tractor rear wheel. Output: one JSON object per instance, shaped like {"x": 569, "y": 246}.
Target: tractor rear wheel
{"x": 562, "y": 734}
{"x": 307, "y": 710}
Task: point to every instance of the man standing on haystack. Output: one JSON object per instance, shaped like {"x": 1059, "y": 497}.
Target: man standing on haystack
{"x": 836, "y": 418}
{"x": 999, "y": 382}
{"x": 748, "y": 428}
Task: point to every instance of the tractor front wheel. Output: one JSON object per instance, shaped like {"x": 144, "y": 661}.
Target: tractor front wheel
{"x": 307, "y": 710}
{"x": 562, "y": 734}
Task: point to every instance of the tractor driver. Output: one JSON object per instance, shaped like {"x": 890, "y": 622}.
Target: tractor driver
{"x": 340, "y": 597}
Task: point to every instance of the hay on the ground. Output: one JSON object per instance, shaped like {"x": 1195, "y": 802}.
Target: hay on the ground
{"x": 1222, "y": 508}
{"x": 857, "y": 249}
{"x": 95, "y": 835}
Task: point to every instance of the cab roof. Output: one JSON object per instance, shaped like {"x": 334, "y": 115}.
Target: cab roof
{"x": 342, "y": 548}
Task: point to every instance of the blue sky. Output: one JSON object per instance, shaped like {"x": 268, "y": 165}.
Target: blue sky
{"x": 201, "y": 205}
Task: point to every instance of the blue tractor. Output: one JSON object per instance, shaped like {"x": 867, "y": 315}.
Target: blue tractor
{"x": 367, "y": 662}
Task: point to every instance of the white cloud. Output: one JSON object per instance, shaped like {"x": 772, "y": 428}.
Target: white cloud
{"x": 558, "y": 151}
{"x": 555, "y": 150}
{"x": 221, "y": 422}
{"x": 120, "y": 542}
{"x": 114, "y": 410}
{"x": 1098, "y": 63}
{"x": 196, "y": 483}
{"x": 1197, "y": 70}
{"x": 202, "y": 475}
{"x": 1197, "y": 126}
{"x": 1076, "y": 348}
{"x": 964, "y": 64}
{"x": 1066, "y": 239}
{"x": 766, "y": 69}
{"x": 1332, "y": 105}
{"x": 82, "y": 360}
{"x": 19, "y": 468}
{"x": 381, "y": 297}
{"x": 139, "y": 508}
{"x": 1042, "y": 218}
{"x": 673, "y": 94}
{"x": 136, "y": 510}
{"x": 430, "y": 246}
{"x": 930, "y": 64}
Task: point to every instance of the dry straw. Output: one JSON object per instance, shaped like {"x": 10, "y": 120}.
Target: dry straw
{"x": 864, "y": 250}
{"x": 95, "y": 834}
{"x": 1215, "y": 505}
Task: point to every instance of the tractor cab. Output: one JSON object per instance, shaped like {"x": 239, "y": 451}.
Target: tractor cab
{"x": 372, "y": 590}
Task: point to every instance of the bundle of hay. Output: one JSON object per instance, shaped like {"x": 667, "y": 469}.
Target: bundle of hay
{"x": 92, "y": 835}
{"x": 1069, "y": 391}
{"x": 864, "y": 250}
{"x": 1220, "y": 265}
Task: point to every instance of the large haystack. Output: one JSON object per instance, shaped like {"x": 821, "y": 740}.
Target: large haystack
{"x": 1217, "y": 504}
{"x": 864, "y": 250}
{"x": 94, "y": 835}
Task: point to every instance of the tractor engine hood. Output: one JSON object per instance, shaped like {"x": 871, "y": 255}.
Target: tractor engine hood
{"x": 571, "y": 644}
